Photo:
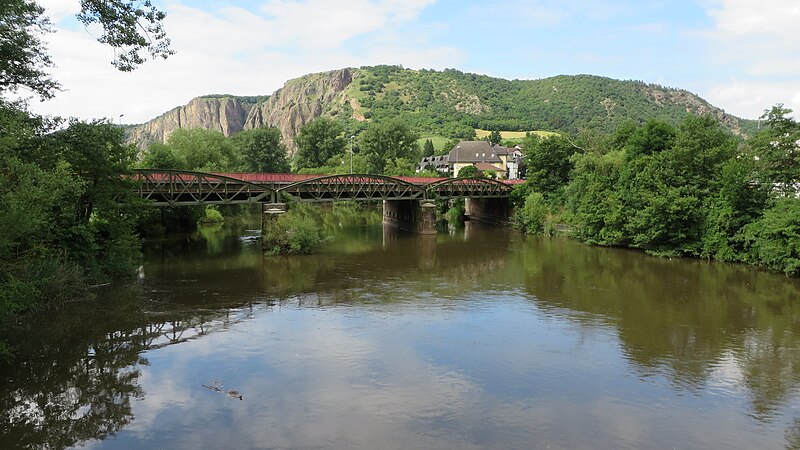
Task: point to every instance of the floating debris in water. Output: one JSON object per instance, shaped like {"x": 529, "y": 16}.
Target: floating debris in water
{"x": 216, "y": 386}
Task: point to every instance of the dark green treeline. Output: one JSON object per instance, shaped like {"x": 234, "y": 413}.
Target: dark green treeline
{"x": 691, "y": 190}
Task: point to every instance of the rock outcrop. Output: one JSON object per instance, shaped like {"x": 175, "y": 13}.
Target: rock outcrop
{"x": 224, "y": 114}
{"x": 300, "y": 101}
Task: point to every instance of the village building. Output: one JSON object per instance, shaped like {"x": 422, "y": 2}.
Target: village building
{"x": 504, "y": 162}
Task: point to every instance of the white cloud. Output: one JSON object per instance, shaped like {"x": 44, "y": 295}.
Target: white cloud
{"x": 749, "y": 98}
{"x": 58, "y": 10}
{"x": 758, "y": 40}
{"x": 235, "y": 51}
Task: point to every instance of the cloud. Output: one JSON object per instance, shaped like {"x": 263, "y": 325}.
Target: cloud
{"x": 749, "y": 98}
{"x": 58, "y": 10}
{"x": 236, "y": 51}
{"x": 759, "y": 41}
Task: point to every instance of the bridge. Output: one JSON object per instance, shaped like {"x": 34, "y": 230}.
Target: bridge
{"x": 407, "y": 201}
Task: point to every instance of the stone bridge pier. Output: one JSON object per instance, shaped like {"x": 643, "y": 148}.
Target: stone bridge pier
{"x": 415, "y": 216}
{"x": 496, "y": 211}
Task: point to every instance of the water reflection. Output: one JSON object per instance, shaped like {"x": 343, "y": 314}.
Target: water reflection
{"x": 702, "y": 324}
{"x": 481, "y": 338}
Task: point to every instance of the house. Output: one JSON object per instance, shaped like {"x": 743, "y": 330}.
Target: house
{"x": 503, "y": 161}
{"x": 440, "y": 164}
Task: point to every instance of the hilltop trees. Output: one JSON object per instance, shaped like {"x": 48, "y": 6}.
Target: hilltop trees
{"x": 318, "y": 141}
{"x": 390, "y": 148}
{"x": 261, "y": 150}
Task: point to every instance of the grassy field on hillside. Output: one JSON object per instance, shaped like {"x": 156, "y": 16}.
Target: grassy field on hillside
{"x": 513, "y": 134}
{"x": 438, "y": 141}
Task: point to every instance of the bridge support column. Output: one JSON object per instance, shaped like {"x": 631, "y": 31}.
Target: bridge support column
{"x": 496, "y": 211}
{"x": 270, "y": 212}
{"x": 415, "y": 216}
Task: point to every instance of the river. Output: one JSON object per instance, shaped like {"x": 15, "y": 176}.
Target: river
{"x": 475, "y": 338}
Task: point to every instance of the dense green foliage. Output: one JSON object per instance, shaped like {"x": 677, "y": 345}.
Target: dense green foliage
{"x": 427, "y": 148}
{"x": 69, "y": 210}
{"x": 390, "y": 148}
{"x": 319, "y": 141}
{"x": 23, "y": 59}
{"x": 690, "y": 190}
{"x": 256, "y": 150}
{"x": 452, "y": 103}
{"x": 68, "y": 213}
{"x": 533, "y": 214}
{"x": 260, "y": 150}
{"x": 469, "y": 172}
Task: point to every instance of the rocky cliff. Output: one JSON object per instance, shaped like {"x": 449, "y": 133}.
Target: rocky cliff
{"x": 298, "y": 102}
{"x": 224, "y": 114}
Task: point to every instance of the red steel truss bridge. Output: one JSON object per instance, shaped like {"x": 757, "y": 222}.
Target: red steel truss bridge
{"x": 183, "y": 187}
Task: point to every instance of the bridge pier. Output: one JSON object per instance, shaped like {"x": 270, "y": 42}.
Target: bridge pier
{"x": 497, "y": 211}
{"x": 271, "y": 212}
{"x": 415, "y": 216}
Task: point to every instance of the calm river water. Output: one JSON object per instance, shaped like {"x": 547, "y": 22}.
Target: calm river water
{"x": 479, "y": 338}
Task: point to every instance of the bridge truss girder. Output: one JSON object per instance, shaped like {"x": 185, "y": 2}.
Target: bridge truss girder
{"x": 355, "y": 187}
{"x": 467, "y": 188}
{"x": 183, "y": 187}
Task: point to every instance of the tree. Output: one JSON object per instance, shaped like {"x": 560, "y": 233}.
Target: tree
{"x": 468, "y": 172}
{"x": 23, "y": 56}
{"x": 385, "y": 141}
{"x": 427, "y": 149}
{"x": 655, "y": 136}
{"x": 161, "y": 156}
{"x": 548, "y": 162}
{"x": 203, "y": 150}
{"x": 318, "y": 141}
{"x": 777, "y": 149}
{"x": 495, "y": 137}
{"x": 261, "y": 150}
{"x": 130, "y": 27}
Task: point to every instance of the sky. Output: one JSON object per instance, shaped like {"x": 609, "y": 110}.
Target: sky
{"x": 741, "y": 55}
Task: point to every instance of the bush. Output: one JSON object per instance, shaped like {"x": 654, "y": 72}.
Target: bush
{"x": 211, "y": 215}
{"x": 291, "y": 234}
{"x": 455, "y": 214}
{"x": 531, "y": 218}
{"x": 774, "y": 239}
{"x": 469, "y": 172}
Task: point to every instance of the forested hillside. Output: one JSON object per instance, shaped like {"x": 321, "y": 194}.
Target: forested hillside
{"x": 436, "y": 101}
{"x": 450, "y": 104}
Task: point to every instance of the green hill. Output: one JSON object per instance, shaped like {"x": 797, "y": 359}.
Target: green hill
{"x": 443, "y": 102}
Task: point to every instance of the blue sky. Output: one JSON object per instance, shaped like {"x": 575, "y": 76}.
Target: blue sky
{"x": 741, "y": 55}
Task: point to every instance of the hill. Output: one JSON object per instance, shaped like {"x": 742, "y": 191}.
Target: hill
{"x": 445, "y": 103}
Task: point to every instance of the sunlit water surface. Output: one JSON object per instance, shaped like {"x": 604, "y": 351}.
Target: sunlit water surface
{"x": 478, "y": 338}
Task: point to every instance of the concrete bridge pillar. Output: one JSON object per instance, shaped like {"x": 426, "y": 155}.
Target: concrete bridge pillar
{"x": 415, "y": 216}
{"x": 271, "y": 212}
{"x": 489, "y": 210}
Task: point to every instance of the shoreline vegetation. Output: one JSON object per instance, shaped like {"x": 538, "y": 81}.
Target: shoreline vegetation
{"x": 694, "y": 190}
